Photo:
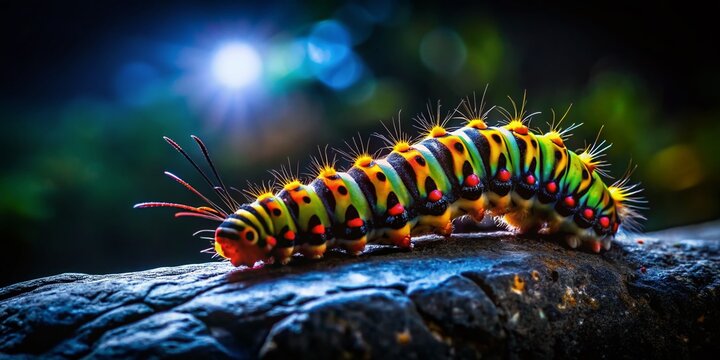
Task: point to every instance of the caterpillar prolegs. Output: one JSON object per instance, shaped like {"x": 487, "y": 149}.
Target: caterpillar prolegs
{"x": 529, "y": 180}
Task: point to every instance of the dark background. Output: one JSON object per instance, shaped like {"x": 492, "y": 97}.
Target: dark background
{"x": 87, "y": 89}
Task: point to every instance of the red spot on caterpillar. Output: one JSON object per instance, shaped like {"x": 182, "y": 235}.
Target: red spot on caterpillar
{"x": 289, "y": 235}
{"x": 604, "y": 221}
{"x": 435, "y": 195}
{"x": 503, "y": 175}
{"x": 530, "y": 179}
{"x": 522, "y": 130}
{"x": 355, "y": 223}
{"x": 569, "y": 201}
{"x": 271, "y": 241}
{"x": 396, "y": 210}
{"x": 551, "y": 187}
{"x": 318, "y": 229}
{"x": 472, "y": 180}
{"x": 588, "y": 213}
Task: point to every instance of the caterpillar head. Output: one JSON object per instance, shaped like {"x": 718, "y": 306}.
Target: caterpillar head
{"x": 240, "y": 239}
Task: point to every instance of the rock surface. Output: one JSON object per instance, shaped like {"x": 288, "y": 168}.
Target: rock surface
{"x": 473, "y": 295}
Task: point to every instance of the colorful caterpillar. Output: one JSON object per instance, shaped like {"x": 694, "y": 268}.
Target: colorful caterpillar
{"x": 529, "y": 180}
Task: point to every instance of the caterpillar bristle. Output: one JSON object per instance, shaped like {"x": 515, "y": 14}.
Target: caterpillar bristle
{"x": 187, "y": 208}
{"x": 556, "y": 134}
{"x": 554, "y": 127}
{"x": 322, "y": 164}
{"x": 231, "y": 202}
{"x": 628, "y": 199}
{"x": 210, "y": 210}
{"x": 396, "y": 139}
{"x": 203, "y": 231}
{"x": 433, "y": 124}
{"x": 237, "y": 191}
{"x": 177, "y": 147}
{"x": 474, "y": 112}
{"x": 212, "y": 204}
{"x": 358, "y": 153}
{"x": 592, "y": 156}
{"x": 285, "y": 177}
{"x": 255, "y": 191}
{"x": 519, "y": 117}
{"x": 198, "y": 215}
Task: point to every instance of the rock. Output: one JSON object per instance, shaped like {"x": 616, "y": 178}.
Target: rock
{"x": 469, "y": 296}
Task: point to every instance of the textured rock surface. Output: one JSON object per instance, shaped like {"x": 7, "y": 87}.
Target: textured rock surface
{"x": 473, "y": 295}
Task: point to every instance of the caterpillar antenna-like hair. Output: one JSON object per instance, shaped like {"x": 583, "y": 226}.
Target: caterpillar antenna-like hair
{"x": 202, "y": 173}
{"x": 203, "y": 231}
{"x": 192, "y": 189}
{"x": 194, "y": 214}
{"x": 201, "y": 212}
{"x": 205, "y": 152}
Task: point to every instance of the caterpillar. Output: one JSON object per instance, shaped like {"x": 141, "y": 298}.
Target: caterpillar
{"x": 527, "y": 179}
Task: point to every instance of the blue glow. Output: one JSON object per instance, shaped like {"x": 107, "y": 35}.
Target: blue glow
{"x": 285, "y": 59}
{"x": 328, "y": 43}
{"x": 343, "y": 74}
{"x": 236, "y": 65}
{"x": 135, "y": 82}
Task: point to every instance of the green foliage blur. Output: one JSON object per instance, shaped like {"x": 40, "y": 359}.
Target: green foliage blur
{"x": 76, "y": 159}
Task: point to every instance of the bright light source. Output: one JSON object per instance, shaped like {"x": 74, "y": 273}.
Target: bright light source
{"x": 236, "y": 65}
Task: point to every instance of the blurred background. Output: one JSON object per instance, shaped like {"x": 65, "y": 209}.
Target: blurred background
{"x": 88, "y": 89}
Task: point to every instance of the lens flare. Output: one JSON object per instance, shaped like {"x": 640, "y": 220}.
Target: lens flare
{"x": 236, "y": 65}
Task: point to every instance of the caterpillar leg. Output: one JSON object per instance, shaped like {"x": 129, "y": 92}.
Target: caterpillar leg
{"x": 440, "y": 224}
{"x": 474, "y": 208}
{"x": 499, "y": 205}
{"x": 313, "y": 251}
{"x": 283, "y": 255}
{"x": 588, "y": 242}
{"x": 400, "y": 237}
{"x": 353, "y": 247}
{"x": 477, "y": 215}
{"x": 524, "y": 221}
{"x": 597, "y": 244}
{"x": 445, "y": 230}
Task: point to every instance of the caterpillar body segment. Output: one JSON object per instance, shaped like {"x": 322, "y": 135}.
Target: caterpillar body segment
{"x": 529, "y": 180}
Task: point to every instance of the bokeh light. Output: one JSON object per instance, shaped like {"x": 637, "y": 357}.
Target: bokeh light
{"x": 328, "y": 43}
{"x": 236, "y": 65}
{"x": 443, "y": 51}
{"x": 285, "y": 59}
{"x": 341, "y": 75}
{"x": 333, "y": 61}
{"x": 682, "y": 160}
